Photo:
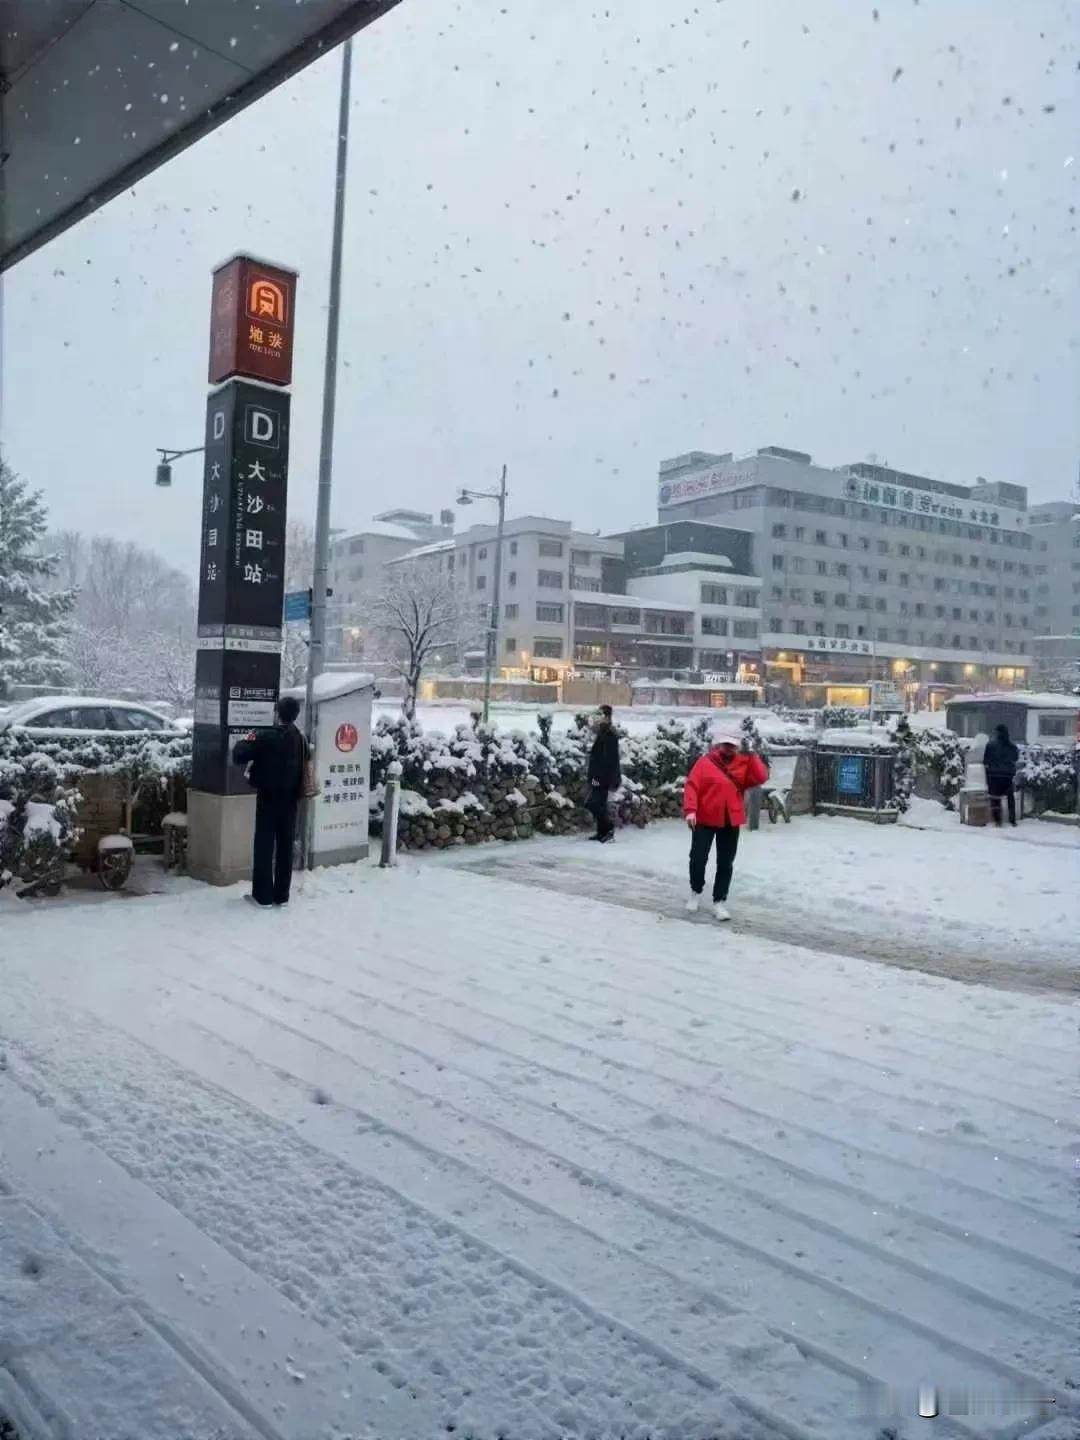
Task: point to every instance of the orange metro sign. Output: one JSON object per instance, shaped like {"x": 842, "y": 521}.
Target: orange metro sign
{"x": 251, "y": 324}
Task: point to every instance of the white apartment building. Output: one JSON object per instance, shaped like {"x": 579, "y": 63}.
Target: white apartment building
{"x": 545, "y": 563}
{"x": 357, "y": 571}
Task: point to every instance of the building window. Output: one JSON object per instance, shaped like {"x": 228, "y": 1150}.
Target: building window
{"x": 717, "y": 594}
{"x": 905, "y": 550}
{"x": 450, "y": 561}
{"x": 511, "y": 579}
{"x": 745, "y": 629}
{"x": 625, "y": 617}
{"x": 356, "y": 572}
{"x": 481, "y": 554}
{"x": 841, "y": 569}
{"x": 714, "y": 625}
{"x": 822, "y": 567}
{"x": 800, "y": 532}
{"x": 356, "y": 547}
{"x": 840, "y": 601}
{"x": 779, "y": 531}
{"x": 798, "y": 565}
{"x": 549, "y": 579}
{"x": 820, "y": 538}
{"x": 580, "y": 557}
{"x": 510, "y": 645}
{"x": 776, "y": 625}
{"x": 864, "y": 542}
{"x": 747, "y": 599}
{"x": 549, "y": 614}
{"x": 547, "y": 648}
{"x": 591, "y": 617}
{"x": 776, "y": 592}
{"x": 864, "y": 572}
{"x": 883, "y": 577}
{"x": 880, "y": 605}
{"x": 513, "y": 547}
{"x": 553, "y": 549}
{"x": 585, "y": 582}
{"x": 481, "y": 582}
{"x": 798, "y": 627}
{"x": 797, "y": 597}
{"x": 905, "y": 578}
{"x": 819, "y": 627}
{"x": 511, "y": 612}
{"x": 778, "y": 562}
{"x": 843, "y": 631}
{"x": 862, "y": 602}
{"x": 842, "y": 539}
{"x": 882, "y": 547}
{"x": 819, "y": 597}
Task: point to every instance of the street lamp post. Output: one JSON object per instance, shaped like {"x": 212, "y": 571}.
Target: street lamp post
{"x": 163, "y": 474}
{"x": 317, "y": 645}
{"x": 466, "y": 497}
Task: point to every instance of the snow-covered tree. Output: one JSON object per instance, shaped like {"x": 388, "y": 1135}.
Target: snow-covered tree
{"x": 32, "y": 613}
{"x": 419, "y": 612}
{"x": 133, "y": 625}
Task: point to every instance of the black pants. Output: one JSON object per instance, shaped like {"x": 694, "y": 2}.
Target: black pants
{"x": 1001, "y": 787}
{"x": 597, "y": 804}
{"x": 272, "y": 858}
{"x": 727, "y": 842}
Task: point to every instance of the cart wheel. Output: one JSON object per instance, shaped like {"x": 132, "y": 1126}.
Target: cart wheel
{"x": 114, "y": 867}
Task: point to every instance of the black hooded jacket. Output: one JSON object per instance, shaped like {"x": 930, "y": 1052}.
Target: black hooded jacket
{"x": 277, "y": 760}
{"x": 1001, "y": 756}
{"x": 604, "y": 768}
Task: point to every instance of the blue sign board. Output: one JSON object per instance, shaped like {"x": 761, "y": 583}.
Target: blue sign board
{"x": 298, "y": 605}
{"x": 850, "y": 770}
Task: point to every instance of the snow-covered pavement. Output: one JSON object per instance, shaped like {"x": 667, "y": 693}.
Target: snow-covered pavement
{"x": 437, "y": 1153}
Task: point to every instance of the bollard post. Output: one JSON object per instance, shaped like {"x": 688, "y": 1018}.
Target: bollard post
{"x": 391, "y": 809}
{"x": 753, "y": 808}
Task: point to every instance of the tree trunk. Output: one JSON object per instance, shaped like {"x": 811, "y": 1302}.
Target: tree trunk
{"x": 412, "y": 684}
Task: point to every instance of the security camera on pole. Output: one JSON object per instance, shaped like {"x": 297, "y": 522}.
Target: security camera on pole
{"x": 242, "y": 560}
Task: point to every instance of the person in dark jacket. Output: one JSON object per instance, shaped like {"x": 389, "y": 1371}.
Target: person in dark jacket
{"x": 276, "y": 758}
{"x": 605, "y": 773}
{"x": 1000, "y": 759}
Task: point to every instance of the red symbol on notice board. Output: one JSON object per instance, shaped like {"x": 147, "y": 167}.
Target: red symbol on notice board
{"x": 347, "y": 738}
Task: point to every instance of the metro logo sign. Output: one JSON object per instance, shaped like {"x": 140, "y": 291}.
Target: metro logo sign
{"x": 251, "y": 326}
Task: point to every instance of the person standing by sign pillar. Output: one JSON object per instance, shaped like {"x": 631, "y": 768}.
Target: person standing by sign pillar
{"x": 242, "y": 559}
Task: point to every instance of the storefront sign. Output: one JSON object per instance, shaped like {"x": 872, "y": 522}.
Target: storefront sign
{"x": 819, "y": 643}
{"x": 703, "y": 483}
{"x": 921, "y": 502}
{"x": 251, "y": 327}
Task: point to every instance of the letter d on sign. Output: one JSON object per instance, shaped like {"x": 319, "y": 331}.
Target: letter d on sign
{"x": 261, "y": 427}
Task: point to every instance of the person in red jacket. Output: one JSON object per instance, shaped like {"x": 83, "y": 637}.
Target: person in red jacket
{"x": 714, "y": 810}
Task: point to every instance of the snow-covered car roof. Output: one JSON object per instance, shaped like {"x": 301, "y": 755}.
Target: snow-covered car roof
{"x": 25, "y": 712}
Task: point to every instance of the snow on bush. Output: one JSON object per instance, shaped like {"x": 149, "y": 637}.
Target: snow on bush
{"x": 1050, "y": 776}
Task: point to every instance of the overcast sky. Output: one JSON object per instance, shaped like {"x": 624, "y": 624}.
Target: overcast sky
{"x": 581, "y": 238}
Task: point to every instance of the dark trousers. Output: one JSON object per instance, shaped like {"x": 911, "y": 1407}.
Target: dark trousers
{"x": 272, "y": 858}
{"x": 701, "y": 840}
{"x": 597, "y": 805}
{"x": 1001, "y": 787}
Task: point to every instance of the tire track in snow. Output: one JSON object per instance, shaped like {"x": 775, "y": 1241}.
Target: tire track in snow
{"x": 1049, "y": 1171}
{"x": 939, "y": 1339}
{"x": 350, "y": 1269}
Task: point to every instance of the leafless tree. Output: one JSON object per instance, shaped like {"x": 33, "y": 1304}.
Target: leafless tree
{"x": 418, "y": 613}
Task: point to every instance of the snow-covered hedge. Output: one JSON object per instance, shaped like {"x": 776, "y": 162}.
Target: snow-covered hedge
{"x": 39, "y": 792}
{"x": 481, "y": 783}
{"x": 1050, "y": 776}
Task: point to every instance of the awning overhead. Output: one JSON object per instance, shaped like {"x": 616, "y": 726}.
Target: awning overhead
{"x": 94, "y": 94}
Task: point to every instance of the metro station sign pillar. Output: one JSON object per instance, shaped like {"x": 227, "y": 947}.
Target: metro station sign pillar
{"x": 242, "y": 557}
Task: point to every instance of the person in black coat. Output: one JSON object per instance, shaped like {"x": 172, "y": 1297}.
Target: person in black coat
{"x": 1000, "y": 759}
{"x": 276, "y": 758}
{"x": 605, "y": 773}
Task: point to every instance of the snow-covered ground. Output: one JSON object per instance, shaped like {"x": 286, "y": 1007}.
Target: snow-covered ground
{"x": 442, "y": 1152}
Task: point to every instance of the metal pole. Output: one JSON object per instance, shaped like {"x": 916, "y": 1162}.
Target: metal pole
{"x": 493, "y": 627}
{"x": 326, "y": 448}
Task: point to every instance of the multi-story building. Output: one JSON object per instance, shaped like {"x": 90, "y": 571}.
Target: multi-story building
{"x": 688, "y": 602}
{"x": 1055, "y": 533}
{"x": 357, "y": 575}
{"x": 869, "y": 573}
{"x": 544, "y": 564}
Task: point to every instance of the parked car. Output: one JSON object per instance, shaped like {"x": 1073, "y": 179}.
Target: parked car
{"x": 84, "y": 714}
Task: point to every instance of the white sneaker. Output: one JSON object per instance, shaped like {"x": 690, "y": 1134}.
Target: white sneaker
{"x": 720, "y": 911}
{"x": 692, "y": 903}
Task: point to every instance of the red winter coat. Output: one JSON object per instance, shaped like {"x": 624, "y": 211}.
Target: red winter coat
{"x": 714, "y": 788}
